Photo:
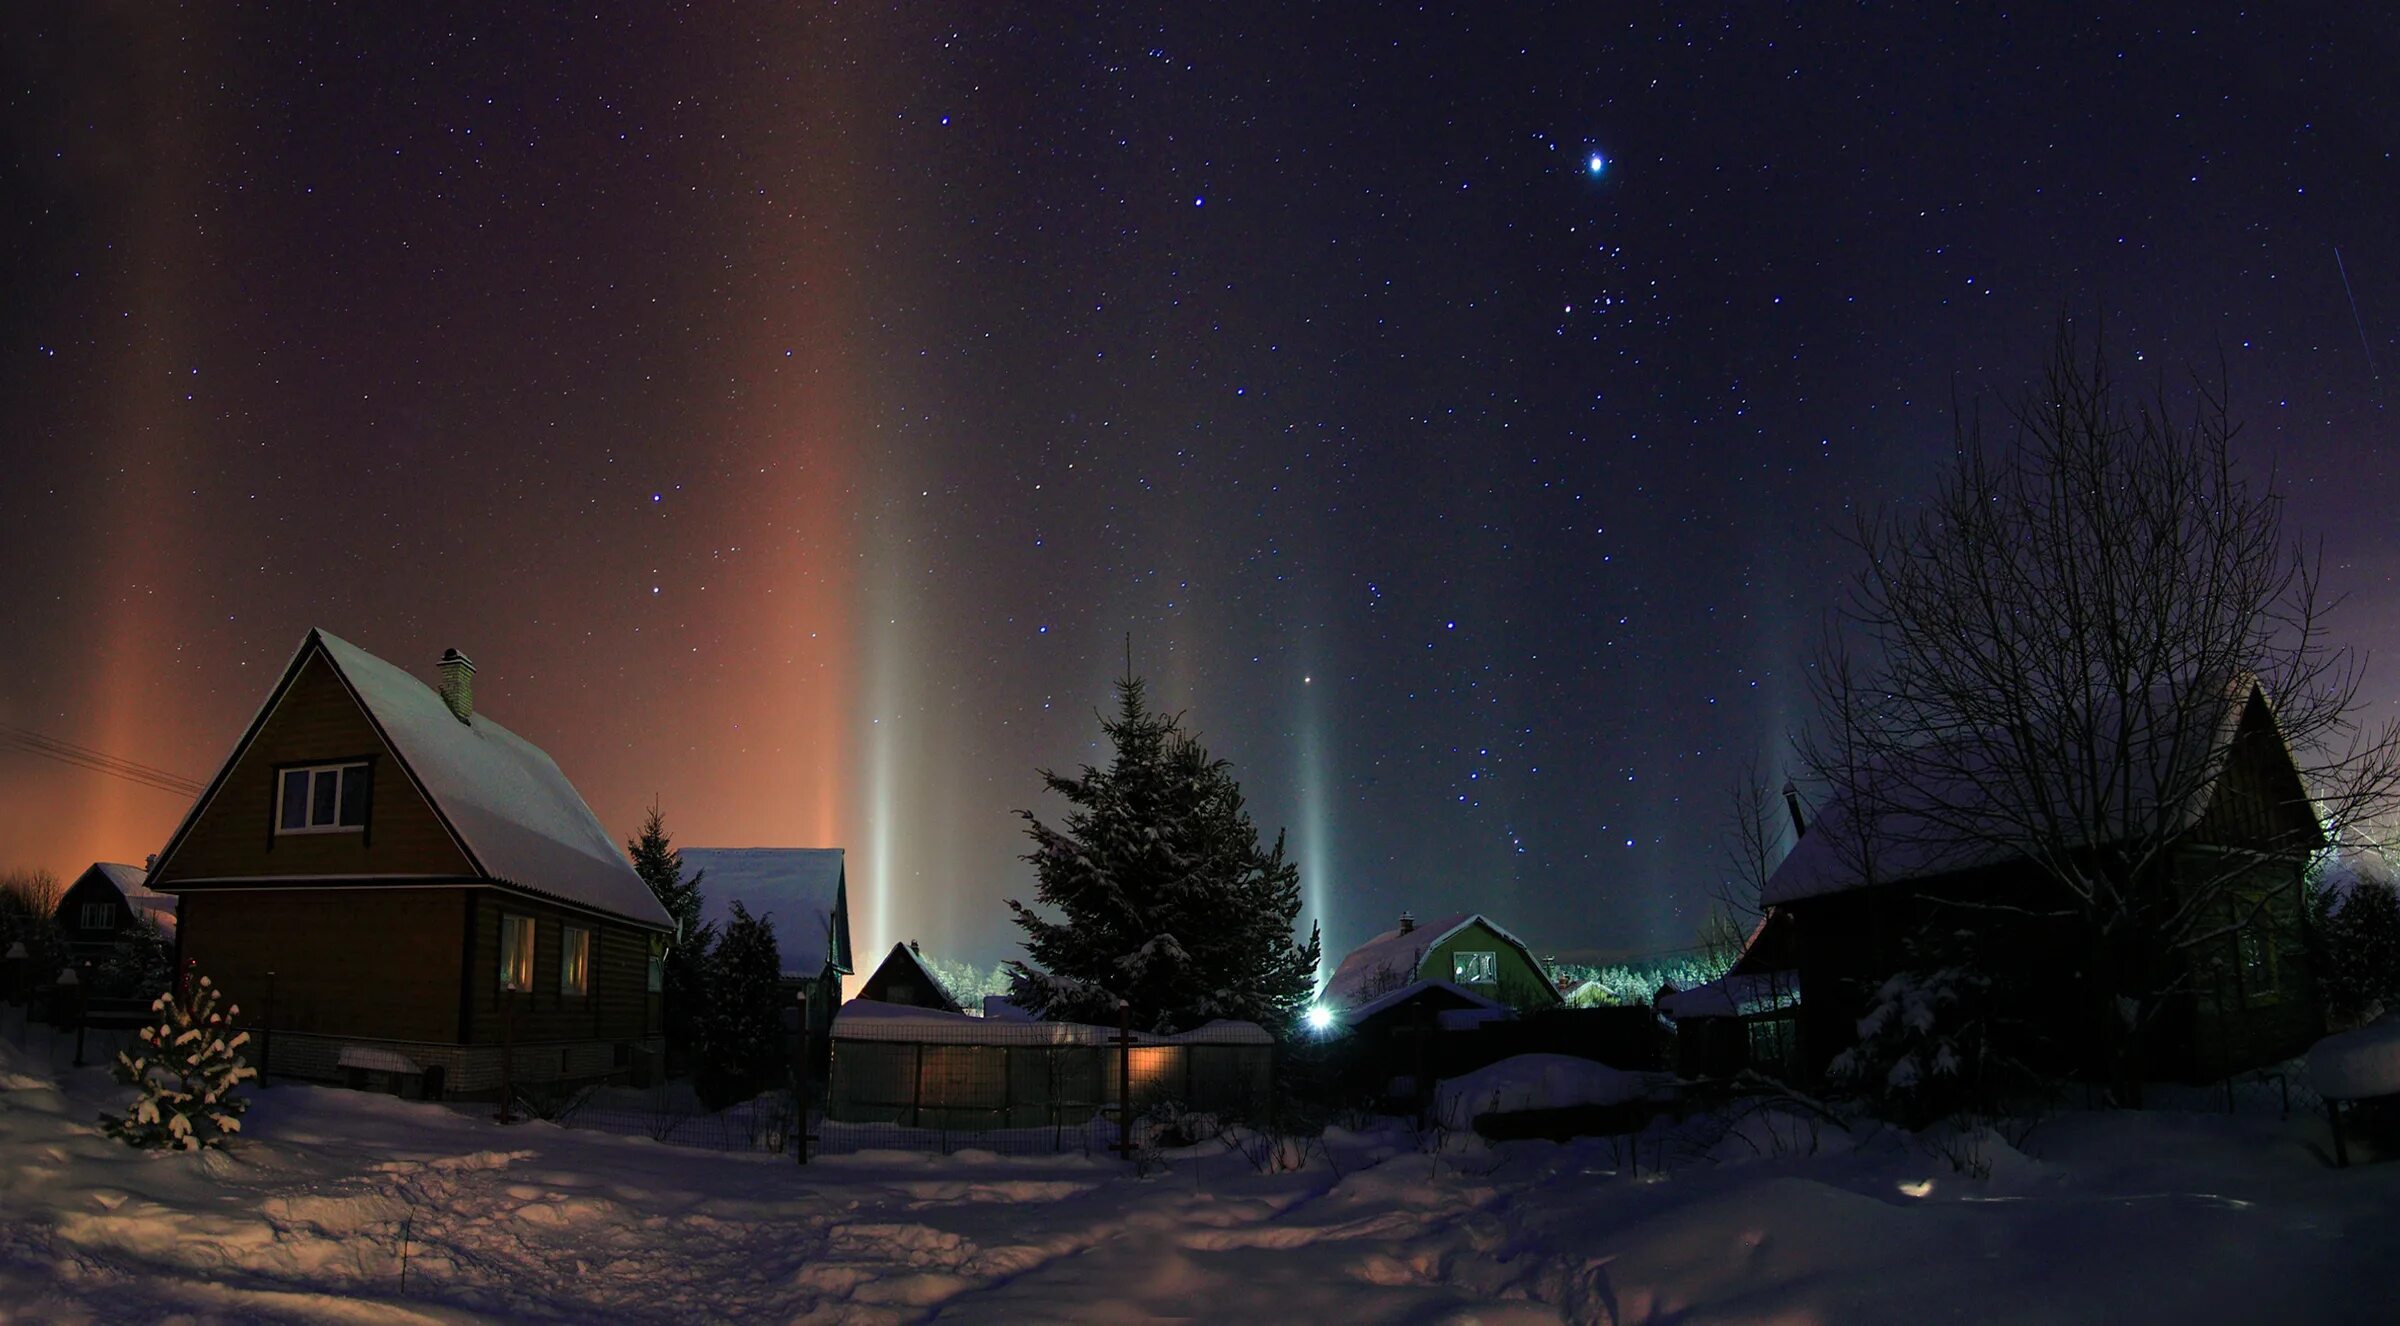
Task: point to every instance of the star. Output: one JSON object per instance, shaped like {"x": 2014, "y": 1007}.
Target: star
{"x": 1595, "y": 165}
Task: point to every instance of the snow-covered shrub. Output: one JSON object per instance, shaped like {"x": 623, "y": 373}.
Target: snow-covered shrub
{"x": 188, "y": 1075}
{"x": 1920, "y": 1047}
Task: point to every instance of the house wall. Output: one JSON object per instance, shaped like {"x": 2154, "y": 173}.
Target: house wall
{"x": 90, "y": 887}
{"x": 2232, "y": 1020}
{"x": 619, "y": 1006}
{"x": 379, "y": 962}
{"x": 316, "y": 720}
{"x": 1521, "y": 984}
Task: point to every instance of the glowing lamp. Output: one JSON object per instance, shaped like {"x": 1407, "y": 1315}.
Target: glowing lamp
{"x": 1320, "y": 1018}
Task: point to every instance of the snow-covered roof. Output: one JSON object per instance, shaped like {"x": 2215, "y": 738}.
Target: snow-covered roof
{"x": 516, "y": 814}
{"x": 1543, "y": 1082}
{"x": 903, "y": 963}
{"x": 1734, "y": 996}
{"x": 803, "y": 890}
{"x": 128, "y": 880}
{"x": 1926, "y": 822}
{"x": 512, "y": 813}
{"x": 998, "y": 1009}
{"x": 874, "y": 1020}
{"x": 1402, "y": 994}
{"x": 2357, "y": 1065}
{"x": 1400, "y": 952}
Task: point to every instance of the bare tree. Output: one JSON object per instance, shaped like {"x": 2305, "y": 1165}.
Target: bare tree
{"x": 2049, "y": 667}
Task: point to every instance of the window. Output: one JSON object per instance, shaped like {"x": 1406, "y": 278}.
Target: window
{"x": 2254, "y": 954}
{"x": 1477, "y": 968}
{"x": 656, "y": 981}
{"x": 324, "y": 798}
{"x": 575, "y": 961}
{"x": 516, "y": 952}
{"x": 96, "y": 916}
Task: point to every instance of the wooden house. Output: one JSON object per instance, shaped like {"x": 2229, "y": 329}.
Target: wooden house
{"x": 103, "y": 902}
{"x": 1857, "y": 890}
{"x": 380, "y": 875}
{"x": 804, "y": 894}
{"x": 904, "y": 979}
{"x": 1467, "y": 950}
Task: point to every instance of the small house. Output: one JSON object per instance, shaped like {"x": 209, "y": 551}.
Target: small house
{"x": 381, "y": 875}
{"x": 905, "y": 980}
{"x": 1858, "y": 887}
{"x": 1467, "y": 950}
{"x": 103, "y": 902}
{"x": 804, "y": 894}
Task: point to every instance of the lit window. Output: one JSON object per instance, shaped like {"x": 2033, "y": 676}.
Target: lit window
{"x": 1476, "y": 968}
{"x": 325, "y": 798}
{"x": 516, "y": 952}
{"x": 97, "y": 915}
{"x": 575, "y": 961}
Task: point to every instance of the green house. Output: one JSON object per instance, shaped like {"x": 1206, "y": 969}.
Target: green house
{"x": 1467, "y": 950}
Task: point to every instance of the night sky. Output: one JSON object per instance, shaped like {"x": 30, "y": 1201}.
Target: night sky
{"x": 792, "y": 409}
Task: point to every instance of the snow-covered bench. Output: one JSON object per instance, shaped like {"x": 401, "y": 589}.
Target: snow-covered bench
{"x": 361, "y": 1064}
{"x": 2352, "y": 1066}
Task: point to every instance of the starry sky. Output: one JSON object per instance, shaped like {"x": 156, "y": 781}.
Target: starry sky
{"x": 793, "y": 409}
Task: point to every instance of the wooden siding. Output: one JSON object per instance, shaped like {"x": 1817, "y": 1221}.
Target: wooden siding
{"x": 378, "y": 962}
{"x": 2258, "y": 802}
{"x": 315, "y": 721}
{"x": 618, "y": 1006}
{"x": 1521, "y": 984}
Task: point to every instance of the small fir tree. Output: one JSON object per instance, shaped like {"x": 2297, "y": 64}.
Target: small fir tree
{"x": 1165, "y": 898}
{"x": 739, "y": 1030}
{"x": 187, "y": 1075}
{"x": 140, "y": 965}
{"x": 684, "y": 978}
{"x": 2358, "y": 941}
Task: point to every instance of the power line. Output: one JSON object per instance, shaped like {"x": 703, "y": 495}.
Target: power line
{"x": 98, "y": 761}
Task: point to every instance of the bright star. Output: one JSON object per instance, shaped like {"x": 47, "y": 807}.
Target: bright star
{"x": 1595, "y": 165}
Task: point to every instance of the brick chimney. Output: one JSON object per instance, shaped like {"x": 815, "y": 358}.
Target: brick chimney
{"x": 1791, "y": 802}
{"x": 458, "y": 684}
{"x": 1408, "y": 922}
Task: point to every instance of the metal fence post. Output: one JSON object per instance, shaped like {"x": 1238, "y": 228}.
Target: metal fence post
{"x": 800, "y": 1085}
{"x": 266, "y": 1035}
{"x": 1124, "y": 1080}
{"x": 916, "y": 1090}
{"x": 508, "y": 1056}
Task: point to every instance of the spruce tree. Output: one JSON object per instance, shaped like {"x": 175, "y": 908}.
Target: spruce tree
{"x": 684, "y": 980}
{"x": 1164, "y": 897}
{"x": 739, "y": 1032}
{"x": 187, "y": 1074}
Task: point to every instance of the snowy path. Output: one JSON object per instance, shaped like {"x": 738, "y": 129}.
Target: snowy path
{"x": 2168, "y": 1218}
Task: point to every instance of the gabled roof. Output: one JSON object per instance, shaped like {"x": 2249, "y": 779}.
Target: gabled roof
{"x": 511, "y": 812}
{"x": 1400, "y": 952}
{"x": 1414, "y": 989}
{"x": 803, "y": 890}
{"x": 904, "y": 964}
{"x": 1926, "y": 822}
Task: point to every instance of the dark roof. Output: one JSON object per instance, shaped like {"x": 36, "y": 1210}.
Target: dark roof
{"x": 802, "y": 890}
{"x": 1927, "y": 822}
{"x": 507, "y": 806}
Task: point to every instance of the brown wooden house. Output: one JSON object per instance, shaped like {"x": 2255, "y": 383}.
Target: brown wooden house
{"x": 1846, "y": 904}
{"x": 381, "y": 876}
{"x": 102, "y": 903}
{"x": 904, "y": 979}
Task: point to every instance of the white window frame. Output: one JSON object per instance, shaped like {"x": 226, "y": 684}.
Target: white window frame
{"x": 516, "y": 954}
{"x": 1465, "y": 961}
{"x": 341, "y": 771}
{"x": 574, "y": 961}
{"x": 655, "y": 980}
{"x": 96, "y": 916}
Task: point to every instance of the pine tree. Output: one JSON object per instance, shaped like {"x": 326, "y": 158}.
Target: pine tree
{"x": 141, "y": 964}
{"x": 684, "y": 980}
{"x": 1165, "y": 898}
{"x": 187, "y": 1076}
{"x": 738, "y": 1034}
{"x": 2359, "y": 947}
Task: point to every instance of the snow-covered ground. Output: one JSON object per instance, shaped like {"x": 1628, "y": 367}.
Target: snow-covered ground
{"x": 342, "y": 1206}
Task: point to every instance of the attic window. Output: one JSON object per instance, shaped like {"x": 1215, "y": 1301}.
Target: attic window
{"x": 1478, "y": 967}
{"x": 97, "y": 916}
{"x": 322, "y": 798}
